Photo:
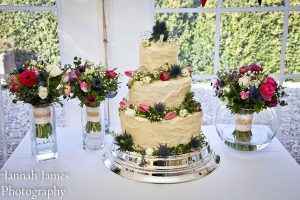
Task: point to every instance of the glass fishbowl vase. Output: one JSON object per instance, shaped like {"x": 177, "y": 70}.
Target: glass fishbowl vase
{"x": 93, "y": 127}
{"x": 246, "y": 130}
{"x": 43, "y": 132}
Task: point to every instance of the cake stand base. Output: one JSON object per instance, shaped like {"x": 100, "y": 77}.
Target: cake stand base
{"x": 173, "y": 169}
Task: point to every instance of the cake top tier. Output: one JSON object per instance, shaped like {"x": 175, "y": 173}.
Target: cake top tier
{"x": 158, "y": 51}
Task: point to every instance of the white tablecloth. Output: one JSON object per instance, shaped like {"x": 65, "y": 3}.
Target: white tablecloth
{"x": 270, "y": 174}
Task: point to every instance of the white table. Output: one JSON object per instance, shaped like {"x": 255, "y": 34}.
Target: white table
{"x": 270, "y": 174}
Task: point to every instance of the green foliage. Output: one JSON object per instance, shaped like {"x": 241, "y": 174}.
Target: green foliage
{"x": 245, "y": 37}
{"x": 34, "y": 33}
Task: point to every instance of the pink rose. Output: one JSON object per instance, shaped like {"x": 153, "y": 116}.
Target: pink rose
{"x": 243, "y": 69}
{"x": 193, "y": 149}
{"x": 271, "y": 81}
{"x": 164, "y": 76}
{"x": 84, "y": 86}
{"x": 14, "y": 87}
{"x": 143, "y": 108}
{"x": 267, "y": 91}
{"x": 67, "y": 90}
{"x": 129, "y": 73}
{"x": 111, "y": 74}
{"x": 170, "y": 115}
{"x": 123, "y": 104}
{"x": 255, "y": 68}
{"x": 244, "y": 95}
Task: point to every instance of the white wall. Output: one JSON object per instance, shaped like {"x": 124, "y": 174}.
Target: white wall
{"x": 128, "y": 20}
{"x": 82, "y": 35}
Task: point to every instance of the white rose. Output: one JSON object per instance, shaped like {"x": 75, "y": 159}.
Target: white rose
{"x": 149, "y": 151}
{"x": 43, "y": 92}
{"x": 185, "y": 72}
{"x": 89, "y": 70}
{"x": 183, "y": 113}
{"x": 244, "y": 81}
{"x": 256, "y": 83}
{"x": 33, "y": 62}
{"x": 146, "y": 79}
{"x": 226, "y": 89}
{"x": 129, "y": 112}
{"x": 53, "y": 70}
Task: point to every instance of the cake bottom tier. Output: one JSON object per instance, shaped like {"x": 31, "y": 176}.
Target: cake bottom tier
{"x": 171, "y": 132}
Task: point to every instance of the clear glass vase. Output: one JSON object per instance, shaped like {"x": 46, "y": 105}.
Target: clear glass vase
{"x": 93, "y": 127}
{"x": 246, "y": 130}
{"x": 43, "y": 132}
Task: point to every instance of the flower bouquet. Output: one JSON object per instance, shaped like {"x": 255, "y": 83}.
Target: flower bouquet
{"x": 246, "y": 91}
{"x": 38, "y": 85}
{"x": 91, "y": 84}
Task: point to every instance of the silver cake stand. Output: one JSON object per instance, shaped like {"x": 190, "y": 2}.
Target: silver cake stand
{"x": 153, "y": 169}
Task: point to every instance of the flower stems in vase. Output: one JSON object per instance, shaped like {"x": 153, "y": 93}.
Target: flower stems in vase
{"x": 43, "y": 131}
{"x": 92, "y": 127}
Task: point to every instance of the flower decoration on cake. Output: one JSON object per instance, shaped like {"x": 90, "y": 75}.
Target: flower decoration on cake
{"x": 124, "y": 141}
{"x": 173, "y": 72}
{"x": 159, "y": 111}
{"x": 248, "y": 87}
{"x": 163, "y": 151}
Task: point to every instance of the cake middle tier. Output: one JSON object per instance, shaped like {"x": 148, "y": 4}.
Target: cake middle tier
{"x": 173, "y": 132}
{"x": 171, "y": 92}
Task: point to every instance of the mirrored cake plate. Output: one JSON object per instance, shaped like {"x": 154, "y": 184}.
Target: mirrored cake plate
{"x": 154, "y": 169}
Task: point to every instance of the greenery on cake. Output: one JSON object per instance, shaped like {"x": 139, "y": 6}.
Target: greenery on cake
{"x": 160, "y": 111}
{"x": 173, "y": 72}
{"x": 125, "y": 143}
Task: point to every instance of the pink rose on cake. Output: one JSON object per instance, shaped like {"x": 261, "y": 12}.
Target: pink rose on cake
{"x": 129, "y": 73}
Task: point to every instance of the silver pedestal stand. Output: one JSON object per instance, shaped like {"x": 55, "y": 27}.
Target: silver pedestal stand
{"x": 153, "y": 169}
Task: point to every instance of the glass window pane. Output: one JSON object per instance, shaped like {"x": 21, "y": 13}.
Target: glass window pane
{"x": 33, "y": 34}
{"x": 251, "y": 3}
{"x": 293, "y": 44}
{"x": 290, "y": 114}
{"x": 28, "y": 2}
{"x": 251, "y": 37}
{"x": 184, "y": 4}
{"x": 195, "y": 36}
{"x": 295, "y": 2}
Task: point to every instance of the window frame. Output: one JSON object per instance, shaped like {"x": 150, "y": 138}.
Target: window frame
{"x": 219, "y": 10}
{"x": 55, "y": 8}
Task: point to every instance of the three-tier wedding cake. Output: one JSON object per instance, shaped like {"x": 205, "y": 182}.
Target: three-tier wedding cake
{"x": 160, "y": 119}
